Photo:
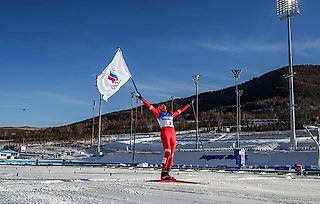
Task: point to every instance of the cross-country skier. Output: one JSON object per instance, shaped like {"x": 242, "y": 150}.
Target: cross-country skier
{"x": 168, "y": 133}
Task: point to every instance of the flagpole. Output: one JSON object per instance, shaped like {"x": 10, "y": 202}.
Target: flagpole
{"x": 94, "y": 105}
{"x": 115, "y": 75}
{"x": 134, "y": 84}
{"x": 99, "y": 153}
{"x": 135, "y": 133}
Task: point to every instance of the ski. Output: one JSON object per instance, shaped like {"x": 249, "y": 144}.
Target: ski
{"x": 178, "y": 181}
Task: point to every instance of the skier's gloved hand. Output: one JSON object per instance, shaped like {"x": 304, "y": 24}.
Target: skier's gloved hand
{"x": 139, "y": 95}
{"x": 191, "y": 102}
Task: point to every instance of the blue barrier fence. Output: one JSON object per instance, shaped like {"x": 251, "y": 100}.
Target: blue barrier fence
{"x": 91, "y": 163}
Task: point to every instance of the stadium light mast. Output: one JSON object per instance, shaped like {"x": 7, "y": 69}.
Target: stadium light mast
{"x": 196, "y": 81}
{"x": 285, "y": 10}
{"x": 236, "y": 74}
{"x": 240, "y": 118}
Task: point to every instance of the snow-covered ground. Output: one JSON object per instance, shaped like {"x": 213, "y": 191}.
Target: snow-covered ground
{"x": 106, "y": 184}
{"x": 70, "y": 184}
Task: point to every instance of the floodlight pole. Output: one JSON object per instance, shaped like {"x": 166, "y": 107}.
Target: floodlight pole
{"x": 285, "y": 10}
{"x": 196, "y": 81}
{"x": 293, "y": 141}
{"x": 240, "y": 94}
{"x": 132, "y": 96}
{"x": 236, "y": 74}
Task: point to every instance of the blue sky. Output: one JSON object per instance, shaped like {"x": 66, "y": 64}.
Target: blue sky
{"x": 51, "y": 51}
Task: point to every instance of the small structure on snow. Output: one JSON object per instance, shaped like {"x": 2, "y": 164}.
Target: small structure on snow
{"x": 8, "y": 154}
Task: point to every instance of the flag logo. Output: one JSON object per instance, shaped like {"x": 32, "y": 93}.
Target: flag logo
{"x": 112, "y": 77}
{"x": 114, "y": 80}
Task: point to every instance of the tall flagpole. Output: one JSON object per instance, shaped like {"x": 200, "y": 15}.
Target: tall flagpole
{"x": 132, "y": 95}
{"x": 109, "y": 82}
{"x": 94, "y": 105}
{"x": 99, "y": 153}
{"x": 135, "y": 133}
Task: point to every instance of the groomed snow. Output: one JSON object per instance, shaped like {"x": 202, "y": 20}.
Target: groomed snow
{"x": 70, "y": 184}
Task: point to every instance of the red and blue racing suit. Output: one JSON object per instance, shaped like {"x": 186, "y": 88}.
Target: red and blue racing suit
{"x": 168, "y": 133}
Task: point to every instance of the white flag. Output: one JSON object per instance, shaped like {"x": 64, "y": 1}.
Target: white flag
{"x": 113, "y": 77}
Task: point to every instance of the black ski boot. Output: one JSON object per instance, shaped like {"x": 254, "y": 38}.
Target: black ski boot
{"x": 165, "y": 175}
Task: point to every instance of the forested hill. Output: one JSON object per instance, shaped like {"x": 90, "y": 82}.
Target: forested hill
{"x": 270, "y": 85}
{"x": 264, "y": 97}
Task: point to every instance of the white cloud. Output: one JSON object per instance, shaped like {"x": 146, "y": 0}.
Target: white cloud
{"x": 315, "y": 44}
{"x": 243, "y": 47}
{"x": 21, "y": 95}
{"x": 259, "y": 47}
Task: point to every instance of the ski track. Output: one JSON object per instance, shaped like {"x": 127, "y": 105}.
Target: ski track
{"x": 57, "y": 184}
